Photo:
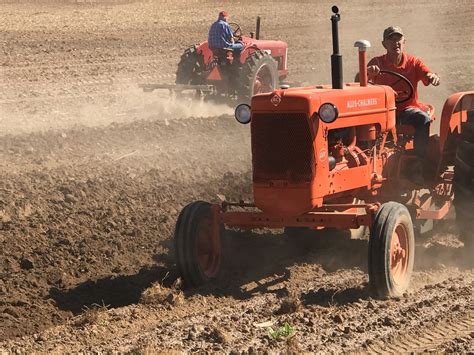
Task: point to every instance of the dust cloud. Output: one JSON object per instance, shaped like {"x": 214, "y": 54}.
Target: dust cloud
{"x": 122, "y": 105}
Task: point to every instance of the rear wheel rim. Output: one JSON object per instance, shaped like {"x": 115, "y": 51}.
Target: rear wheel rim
{"x": 208, "y": 254}
{"x": 263, "y": 80}
{"x": 399, "y": 255}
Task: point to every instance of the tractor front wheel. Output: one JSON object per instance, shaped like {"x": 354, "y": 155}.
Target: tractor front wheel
{"x": 463, "y": 182}
{"x": 259, "y": 75}
{"x": 391, "y": 251}
{"x": 197, "y": 244}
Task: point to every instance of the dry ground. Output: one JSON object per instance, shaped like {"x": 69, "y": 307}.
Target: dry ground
{"x": 93, "y": 173}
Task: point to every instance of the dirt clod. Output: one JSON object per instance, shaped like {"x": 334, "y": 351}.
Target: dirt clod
{"x": 289, "y": 305}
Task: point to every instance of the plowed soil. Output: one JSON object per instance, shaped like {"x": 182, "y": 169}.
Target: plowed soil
{"x": 93, "y": 173}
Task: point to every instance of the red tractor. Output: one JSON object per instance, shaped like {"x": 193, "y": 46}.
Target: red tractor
{"x": 318, "y": 151}
{"x": 214, "y": 72}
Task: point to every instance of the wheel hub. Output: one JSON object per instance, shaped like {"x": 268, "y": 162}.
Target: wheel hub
{"x": 207, "y": 253}
{"x": 399, "y": 255}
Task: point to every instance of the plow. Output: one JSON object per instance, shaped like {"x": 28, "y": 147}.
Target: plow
{"x": 333, "y": 156}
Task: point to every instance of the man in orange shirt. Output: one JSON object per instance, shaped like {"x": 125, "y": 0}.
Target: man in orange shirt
{"x": 396, "y": 60}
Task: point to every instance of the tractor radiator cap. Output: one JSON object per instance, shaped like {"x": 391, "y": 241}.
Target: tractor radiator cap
{"x": 362, "y": 44}
{"x": 284, "y": 86}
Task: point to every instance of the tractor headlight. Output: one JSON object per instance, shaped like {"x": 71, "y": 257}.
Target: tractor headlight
{"x": 328, "y": 112}
{"x": 243, "y": 113}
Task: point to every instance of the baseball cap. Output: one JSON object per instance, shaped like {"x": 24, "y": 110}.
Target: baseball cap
{"x": 391, "y": 30}
{"x": 223, "y": 13}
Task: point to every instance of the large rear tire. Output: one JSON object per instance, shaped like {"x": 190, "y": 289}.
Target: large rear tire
{"x": 464, "y": 182}
{"x": 259, "y": 74}
{"x": 198, "y": 258}
{"x": 190, "y": 67}
{"x": 391, "y": 251}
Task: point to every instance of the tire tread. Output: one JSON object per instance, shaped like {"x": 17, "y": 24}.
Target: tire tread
{"x": 379, "y": 244}
{"x": 185, "y": 243}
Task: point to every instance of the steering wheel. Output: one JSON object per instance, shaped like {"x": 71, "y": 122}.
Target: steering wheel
{"x": 236, "y": 29}
{"x": 402, "y": 95}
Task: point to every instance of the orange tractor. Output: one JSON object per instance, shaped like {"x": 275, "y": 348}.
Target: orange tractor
{"x": 217, "y": 74}
{"x": 318, "y": 151}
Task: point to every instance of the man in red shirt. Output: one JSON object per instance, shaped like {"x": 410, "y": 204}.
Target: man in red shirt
{"x": 410, "y": 112}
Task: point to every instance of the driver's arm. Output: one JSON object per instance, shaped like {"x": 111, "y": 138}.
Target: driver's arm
{"x": 229, "y": 33}
{"x": 433, "y": 78}
{"x": 373, "y": 68}
{"x": 425, "y": 74}
{"x": 373, "y": 71}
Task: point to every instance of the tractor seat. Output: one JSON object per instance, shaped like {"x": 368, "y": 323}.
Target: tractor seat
{"x": 409, "y": 130}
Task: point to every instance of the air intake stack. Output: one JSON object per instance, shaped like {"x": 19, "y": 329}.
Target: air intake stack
{"x": 362, "y": 45}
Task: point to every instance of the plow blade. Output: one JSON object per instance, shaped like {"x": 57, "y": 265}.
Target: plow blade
{"x": 177, "y": 87}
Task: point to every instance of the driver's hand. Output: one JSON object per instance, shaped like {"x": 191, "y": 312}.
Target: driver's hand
{"x": 433, "y": 78}
{"x": 373, "y": 71}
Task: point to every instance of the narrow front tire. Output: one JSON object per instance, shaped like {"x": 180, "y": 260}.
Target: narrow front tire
{"x": 391, "y": 251}
{"x": 197, "y": 244}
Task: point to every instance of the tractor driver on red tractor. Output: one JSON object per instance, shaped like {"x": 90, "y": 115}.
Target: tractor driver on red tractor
{"x": 221, "y": 36}
{"x": 409, "y": 112}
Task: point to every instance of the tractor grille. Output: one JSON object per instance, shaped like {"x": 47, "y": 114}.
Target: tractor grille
{"x": 282, "y": 147}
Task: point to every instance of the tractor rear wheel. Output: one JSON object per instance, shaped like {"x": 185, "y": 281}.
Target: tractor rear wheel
{"x": 198, "y": 256}
{"x": 189, "y": 67}
{"x": 259, "y": 74}
{"x": 463, "y": 182}
{"x": 391, "y": 251}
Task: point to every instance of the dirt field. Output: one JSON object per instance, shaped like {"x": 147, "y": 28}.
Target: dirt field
{"x": 93, "y": 173}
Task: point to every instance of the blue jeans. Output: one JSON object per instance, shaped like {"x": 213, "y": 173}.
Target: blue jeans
{"x": 237, "y": 47}
{"x": 421, "y": 121}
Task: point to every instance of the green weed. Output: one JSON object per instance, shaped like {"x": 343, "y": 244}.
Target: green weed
{"x": 283, "y": 332}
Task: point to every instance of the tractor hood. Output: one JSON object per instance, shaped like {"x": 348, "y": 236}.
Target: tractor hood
{"x": 350, "y": 101}
{"x": 289, "y": 141}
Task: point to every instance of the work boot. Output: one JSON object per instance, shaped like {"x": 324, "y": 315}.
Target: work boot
{"x": 416, "y": 174}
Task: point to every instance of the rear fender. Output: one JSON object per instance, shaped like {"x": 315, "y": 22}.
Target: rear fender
{"x": 204, "y": 50}
{"x": 247, "y": 51}
{"x": 454, "y": 113}
{"x": 277, "y": 49}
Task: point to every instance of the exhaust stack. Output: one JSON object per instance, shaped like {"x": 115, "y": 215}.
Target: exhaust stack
{"x": 336, "y": 58}
{"x": 257, "y": 29}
